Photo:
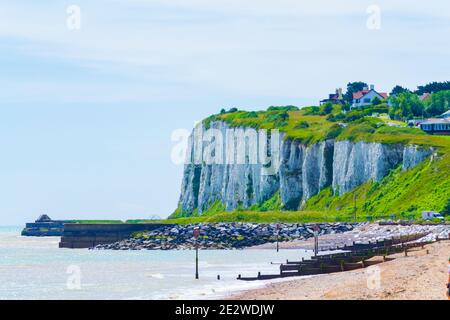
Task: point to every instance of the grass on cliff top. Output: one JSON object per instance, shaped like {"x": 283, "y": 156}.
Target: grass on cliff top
{"x": 96, "y": 221}
{"x": 308, "y": 127}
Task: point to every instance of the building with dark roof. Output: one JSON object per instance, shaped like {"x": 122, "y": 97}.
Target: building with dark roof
{"x": 436, "y": 126}
{"x": 334, "y": 98}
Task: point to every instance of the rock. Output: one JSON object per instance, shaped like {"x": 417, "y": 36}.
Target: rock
{"x": 219, "y": 236}
{"x": 300, "y": 171}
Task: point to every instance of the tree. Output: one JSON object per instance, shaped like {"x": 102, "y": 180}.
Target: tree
{"x": 433, "y": 87}
{"x": 222, "y": 111}
{"x": 446, "y": 209}
{"x": 406, "y": 105}
{"x": 398, "y": 89}
{"x": 438, "y": 103}
{"x": 353, "y": 87}
{"x": 376, "y": 101}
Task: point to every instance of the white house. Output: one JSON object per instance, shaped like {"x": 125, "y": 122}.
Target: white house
{"x": 366, "y": 96}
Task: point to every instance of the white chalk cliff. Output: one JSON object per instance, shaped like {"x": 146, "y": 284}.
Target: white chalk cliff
{"x": 297, "y": 171}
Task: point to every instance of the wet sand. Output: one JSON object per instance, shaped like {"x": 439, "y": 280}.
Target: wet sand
{"x": 418, "y": 276}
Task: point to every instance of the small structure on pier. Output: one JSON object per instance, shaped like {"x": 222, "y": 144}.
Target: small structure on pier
{"x": 44, "y": 226}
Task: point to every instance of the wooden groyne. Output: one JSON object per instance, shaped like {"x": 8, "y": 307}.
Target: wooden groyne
{"x": 356, "y": 256}
{"x": 81, "y": 235}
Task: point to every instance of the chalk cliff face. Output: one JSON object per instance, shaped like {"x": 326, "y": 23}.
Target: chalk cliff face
{"x": 241, "y": 167}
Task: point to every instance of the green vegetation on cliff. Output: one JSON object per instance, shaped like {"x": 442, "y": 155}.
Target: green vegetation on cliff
{"x": 404, "y": 194}
{"x": 311, "y": 124}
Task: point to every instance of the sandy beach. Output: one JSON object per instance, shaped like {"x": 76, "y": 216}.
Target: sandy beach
{"x": 417, "y": 276}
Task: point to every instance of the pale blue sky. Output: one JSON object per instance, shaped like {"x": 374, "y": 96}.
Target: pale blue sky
{"x": 86, "y": 116}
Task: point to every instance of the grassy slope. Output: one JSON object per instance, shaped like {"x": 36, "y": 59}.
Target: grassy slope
{"x": 425, "y": 187}
{"x": 401, "y": 193}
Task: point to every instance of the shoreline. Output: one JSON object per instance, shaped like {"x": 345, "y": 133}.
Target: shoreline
{"x": 419, "y": 276}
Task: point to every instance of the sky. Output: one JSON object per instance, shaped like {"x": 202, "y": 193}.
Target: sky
{"x": 88, "y": 106}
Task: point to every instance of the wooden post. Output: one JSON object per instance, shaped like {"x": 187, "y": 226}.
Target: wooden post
{"x": 278, "y": 237}
{"x": 316, "y": 240}
{"x": 196, "y": 260}
{"x": 406, "y": 251}
{"x": 196, "y": 235}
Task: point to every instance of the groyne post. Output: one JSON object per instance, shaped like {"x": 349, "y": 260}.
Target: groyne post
{"x": 196, "y": 235}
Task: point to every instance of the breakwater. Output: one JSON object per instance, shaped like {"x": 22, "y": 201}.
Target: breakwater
{"x": 223, "y": 235}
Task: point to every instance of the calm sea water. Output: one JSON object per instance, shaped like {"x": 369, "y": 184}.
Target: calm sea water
{"x": 35, "y": 268}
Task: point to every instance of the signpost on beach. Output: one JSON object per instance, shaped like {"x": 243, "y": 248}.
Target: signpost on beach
{"x": 196, "y": 235}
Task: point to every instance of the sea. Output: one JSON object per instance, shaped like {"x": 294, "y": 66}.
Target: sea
{"x": 35, "y": 268}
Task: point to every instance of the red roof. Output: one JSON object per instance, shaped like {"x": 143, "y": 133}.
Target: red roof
{"x": 424, "y": 96}
{"x": 362, "y": 93}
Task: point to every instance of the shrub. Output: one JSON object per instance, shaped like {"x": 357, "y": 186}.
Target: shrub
{"x": 334, "y": 132}
{"x": 311, "y": 111}
{"x": 279, "y": 118}
{"x": 326, "y": 108}
{"x": 446, "y": 209}
{"x": 302, "y": 125}
{"x": 283, "y": 108}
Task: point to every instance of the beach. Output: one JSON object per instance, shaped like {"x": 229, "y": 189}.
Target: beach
{"x": 35, "y": 268}
{"x": 419, "y": 276}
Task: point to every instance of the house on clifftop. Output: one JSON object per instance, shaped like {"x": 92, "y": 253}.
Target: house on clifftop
{"x": 366, "y": 96}
{"x": 334, "y": 98}
{"x": 436, "y": 126}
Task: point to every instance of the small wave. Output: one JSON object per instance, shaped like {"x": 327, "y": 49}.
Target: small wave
{"x": 155, "y": 275}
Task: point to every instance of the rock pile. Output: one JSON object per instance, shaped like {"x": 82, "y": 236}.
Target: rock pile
{"x": 223, "y": 236}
